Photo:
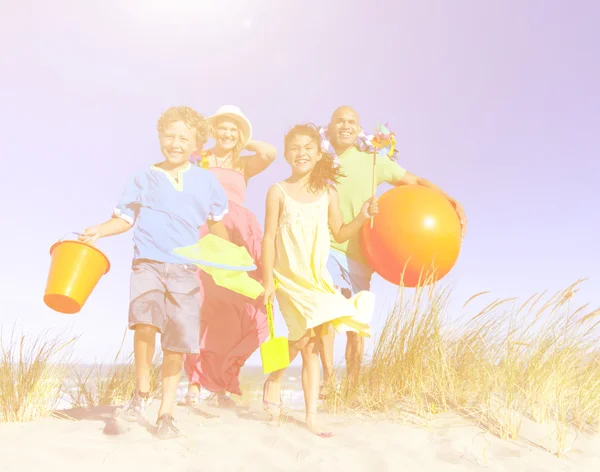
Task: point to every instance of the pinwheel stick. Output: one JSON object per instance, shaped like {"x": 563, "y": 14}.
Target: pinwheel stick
{"x": 374, "y": 182}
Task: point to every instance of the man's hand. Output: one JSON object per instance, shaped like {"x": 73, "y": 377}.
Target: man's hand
{"x": 462, "y": 217}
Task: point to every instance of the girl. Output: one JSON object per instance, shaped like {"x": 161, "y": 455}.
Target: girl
{"x": 300, "y": 212}
{"x": 232, "y": 325}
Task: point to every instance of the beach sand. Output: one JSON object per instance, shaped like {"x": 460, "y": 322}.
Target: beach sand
{"x": 239, "y": 440}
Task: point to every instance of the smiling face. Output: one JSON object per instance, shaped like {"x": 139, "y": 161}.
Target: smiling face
{"x": 343, "y": 129}
{"x": 227, "y": 134}
{"x": 177, "y": 143}
{"x": 302, "y": 152}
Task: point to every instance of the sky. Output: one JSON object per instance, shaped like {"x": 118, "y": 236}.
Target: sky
{"x": 496, "y": 102}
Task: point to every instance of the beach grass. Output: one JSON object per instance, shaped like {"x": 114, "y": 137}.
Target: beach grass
{"x": 111, "y": 384}
{"x": 499, "y": 365}
{"x": 538, "y": 359}
{"x": 32, "y": 375}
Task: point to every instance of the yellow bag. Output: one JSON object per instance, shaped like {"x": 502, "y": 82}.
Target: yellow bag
{"x": 274, "y": 352}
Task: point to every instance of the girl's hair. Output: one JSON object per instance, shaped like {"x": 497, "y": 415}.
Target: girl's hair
{"x": 325, "y": 173}
{"x": 236, "y": 161}
{"x": 190, "y": 117}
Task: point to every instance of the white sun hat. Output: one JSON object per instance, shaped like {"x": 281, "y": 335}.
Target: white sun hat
{"x": 236, "y": 115}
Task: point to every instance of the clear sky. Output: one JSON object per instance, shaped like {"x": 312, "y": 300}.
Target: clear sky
{"x": 496, "y": 102}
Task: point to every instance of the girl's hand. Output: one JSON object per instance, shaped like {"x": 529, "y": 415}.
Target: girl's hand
{"x": 269, "y": 293}
{"x": 370, "y": 208}
{"x": 90, "y": 235}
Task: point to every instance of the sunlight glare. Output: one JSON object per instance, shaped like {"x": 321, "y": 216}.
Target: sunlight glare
{"x": 429, "y": 222}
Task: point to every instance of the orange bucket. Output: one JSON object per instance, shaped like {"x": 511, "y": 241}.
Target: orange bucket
{"x": 75, "y": 269}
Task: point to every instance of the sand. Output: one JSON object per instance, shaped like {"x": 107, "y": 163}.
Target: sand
{"x": 240, "y": 440}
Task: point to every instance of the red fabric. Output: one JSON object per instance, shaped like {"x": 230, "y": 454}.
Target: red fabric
{"x": 232, "y": 326}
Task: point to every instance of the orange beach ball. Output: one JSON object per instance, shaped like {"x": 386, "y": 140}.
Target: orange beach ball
{"x": 416, "y": 234}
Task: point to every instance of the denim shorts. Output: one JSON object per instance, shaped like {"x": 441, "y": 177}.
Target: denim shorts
{"x": 169, "y": 297}
{"x": 349, "y": 276}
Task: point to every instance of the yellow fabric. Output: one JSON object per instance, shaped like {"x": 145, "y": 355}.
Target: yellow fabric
{"x": 355, "y": 188}
{"x": 211, "y": 248}
{"x": 306, "y": 294}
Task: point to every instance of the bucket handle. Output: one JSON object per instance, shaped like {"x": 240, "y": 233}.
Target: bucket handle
{"x": 66, "y": 234}
{"x": 62, "y": 238}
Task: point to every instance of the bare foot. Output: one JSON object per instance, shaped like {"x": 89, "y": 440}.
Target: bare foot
{"x": 313, "y": 428}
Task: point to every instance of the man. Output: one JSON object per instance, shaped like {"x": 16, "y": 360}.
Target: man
{"x": 345, "y": 139}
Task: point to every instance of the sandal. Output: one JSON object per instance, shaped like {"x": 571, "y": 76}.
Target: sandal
{"x": 325, "y": 390}
{"x": 267, "y": 405}
{"x": 323, "y": 394}
{"x": 224, "y": 401}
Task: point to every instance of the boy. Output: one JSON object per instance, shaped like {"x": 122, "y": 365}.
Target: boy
{"x": 167, "y": 203}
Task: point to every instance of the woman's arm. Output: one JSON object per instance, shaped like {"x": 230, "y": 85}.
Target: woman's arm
{"x": 343, "y": 232}
{"x": 263, "y": 157}
{"x": 218, "y": 229}
{"x": 268, "y": 244}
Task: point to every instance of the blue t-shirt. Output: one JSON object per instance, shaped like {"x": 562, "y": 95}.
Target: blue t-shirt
{"x": 168, "y": 213}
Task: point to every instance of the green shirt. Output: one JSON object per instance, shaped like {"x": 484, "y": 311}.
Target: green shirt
{"x": 355, "y": 188}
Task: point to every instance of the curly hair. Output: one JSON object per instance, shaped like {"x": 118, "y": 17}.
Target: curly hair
{"x": 236, "y": 161}
{"x": 190, "y": 117}
{"x": 325, "y": 173}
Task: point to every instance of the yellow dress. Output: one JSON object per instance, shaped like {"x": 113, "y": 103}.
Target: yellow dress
{"x": 306, "y": 294}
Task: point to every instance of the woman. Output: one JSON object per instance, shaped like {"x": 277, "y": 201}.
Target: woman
{"x": 232, "y": 326}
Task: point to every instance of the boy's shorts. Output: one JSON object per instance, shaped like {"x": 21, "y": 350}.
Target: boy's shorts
{"x": 168, "y": 297}
{"x": 349, "y": 276}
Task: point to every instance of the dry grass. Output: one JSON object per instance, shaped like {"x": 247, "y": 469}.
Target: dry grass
{"x": 108, "y": 385}
{"x": 539, "y": 360}
{"x": 32, "y": 374}
{"x": 509, "y": 361}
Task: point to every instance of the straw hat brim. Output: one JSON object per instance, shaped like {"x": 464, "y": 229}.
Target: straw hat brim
{"x": 240, "y": 120}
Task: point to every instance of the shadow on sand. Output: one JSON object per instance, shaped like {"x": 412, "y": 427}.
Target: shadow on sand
{"x": 114, "y": 424}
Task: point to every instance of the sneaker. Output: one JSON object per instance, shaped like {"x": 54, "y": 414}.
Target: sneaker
{"x": 225, "y": 401}
{"x": 165, "y": 427}
{"x": 134, "y": 410}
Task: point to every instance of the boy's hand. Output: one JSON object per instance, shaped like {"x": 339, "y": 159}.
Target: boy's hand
{"x": 370, "y": 208}
{"x": 90, "y": 235}
{"x": 269, "y": 293}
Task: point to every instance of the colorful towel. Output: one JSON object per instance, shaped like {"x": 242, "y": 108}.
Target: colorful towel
{"x": 227, "y": 263}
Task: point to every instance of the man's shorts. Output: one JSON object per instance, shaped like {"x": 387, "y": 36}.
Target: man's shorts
{"x": 349, "y": 276}
{"x": 168, "y": 297}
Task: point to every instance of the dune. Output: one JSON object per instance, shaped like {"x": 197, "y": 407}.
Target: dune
{"x": 216, "y": 439}
{"x": 506, "y": 389}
